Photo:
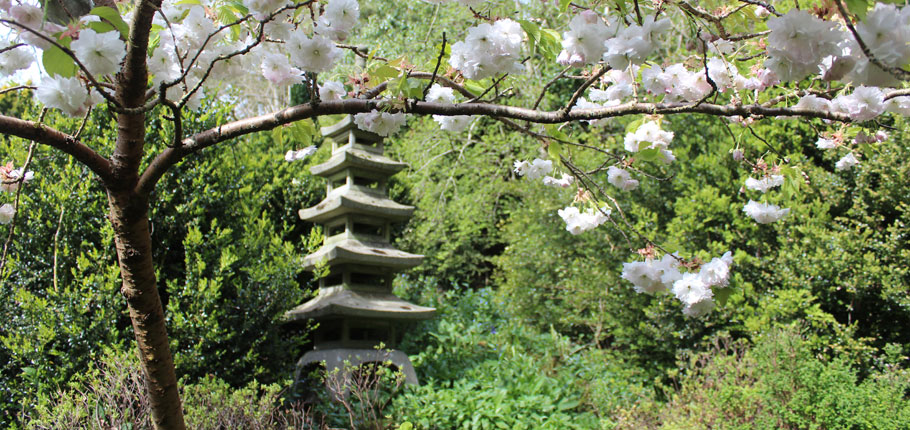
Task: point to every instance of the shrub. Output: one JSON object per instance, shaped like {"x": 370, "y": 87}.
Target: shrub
{"x": 112, "y": 395}
{"x": 779, "y": 383}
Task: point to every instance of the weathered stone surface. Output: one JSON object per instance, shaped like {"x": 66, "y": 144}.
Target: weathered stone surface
{"x": 342, "y": 301}
{"x": 355, "y": 200}
{"x": 357, "y": 158}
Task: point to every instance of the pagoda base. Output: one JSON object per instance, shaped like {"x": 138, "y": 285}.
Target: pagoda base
{"x": 340, "y": 362}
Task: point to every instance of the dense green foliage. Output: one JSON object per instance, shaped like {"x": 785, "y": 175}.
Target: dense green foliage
{"x": 779, "y": 383}
{"x": 226, "y": 248}
{"x": 535, "y": 328}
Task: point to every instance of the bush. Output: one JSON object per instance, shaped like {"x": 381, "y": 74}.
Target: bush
{"x": 479, "y": 369}
{"x": 779, "y": 383}
{"x": 112, "y": 395}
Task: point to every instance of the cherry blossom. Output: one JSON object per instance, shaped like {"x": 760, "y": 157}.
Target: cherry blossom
{"x": 847, "y": 162}
{"x": 535, "y": 169}
{"x": 300, "y": 154}
{"x": 381, "y": 123}
{"x": 332, "y": 90}
{"x": 764, "y": 184}
{"x": 764, "y": 213}
{"x": 7, "y": 212}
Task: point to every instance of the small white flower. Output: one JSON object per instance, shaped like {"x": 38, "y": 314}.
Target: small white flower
{"x": 300, "y": 154}
{"x": 691, "y": 289}
{"x": 7, "y": 211}
{"x": 764, "y": 184}
{"x": 699, "y": 308}
{"x": 825, "y": 143}
{"x": 564, "y": 182}
{"x": 66, "y": 94}
{"x": 102, "y": 53}
{"x": 764, "y": 213}
{"x": 717, "y": 271}
{"x": 381, "y": 123}
{"x": 315, "y": 55}
{"x": 620, "y": 178}
{"x": 847, "y": 162}
{"x": 332, "y": 90}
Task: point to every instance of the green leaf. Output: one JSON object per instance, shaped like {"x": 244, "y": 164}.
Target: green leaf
{"x": 56, "y": 62}
{"x": 550, "y": 43}
{"x": 722, "y": 294}
{"x": 101, "y": 27}
{"x": 383, "y": 73}
{"x": 112, "y": 16}
{"x": 475, "y": 87}
{"x": 554, "y": 150}
{"x": 649, "y": 154}
{"x": 532, "y": 30}
{"x": 632, "y": 127}
{"x": 858, "y": 7}
{"x": 564, "y": 5}
{"x": 554, "y": 131}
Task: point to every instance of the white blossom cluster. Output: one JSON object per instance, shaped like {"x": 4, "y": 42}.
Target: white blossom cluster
{"x": 633, "y": 44}
{"x": 332, "y": 90}
{"x": 300, "y": 154}
{"x": 535, "y": 169}
{"x": 565, "y": 181}
{"x": 7, "y": 212}
{"x": 650, "y": 136}
{"x": 694, "y": 290}
{"x": 10, "y": 180}
{"x": 381, "y": 123}
{"x": 765, "y": 183}
{"x": 801, "y": 45}
{"x": 489, "y": 50}
{"x": 591, "y": 39}
{"x": 584, "y": 43}
{"x": 445, "y": 95}
{"x": 764, "y": 213}
{"x": 578, "y": 222}
{"x": 621, "y": 178}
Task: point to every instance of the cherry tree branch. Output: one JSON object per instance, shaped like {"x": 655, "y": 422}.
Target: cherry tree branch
{"x": 45, "y": 135}
{"x": 236, "y": 129}
{"x": 17, "y": 88}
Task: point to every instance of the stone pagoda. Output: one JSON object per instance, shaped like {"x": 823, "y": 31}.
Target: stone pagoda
{"x": 355, "y": 307}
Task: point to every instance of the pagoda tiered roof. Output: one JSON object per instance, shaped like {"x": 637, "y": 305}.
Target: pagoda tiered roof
{"x": 344, "y": 302}
{"x": 360, "y": 159}
{"x": 355, "y": 200}
{"x": 353, "y": 251}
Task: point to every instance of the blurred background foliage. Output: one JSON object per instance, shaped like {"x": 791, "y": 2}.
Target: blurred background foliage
{"x": 535, "y": 328}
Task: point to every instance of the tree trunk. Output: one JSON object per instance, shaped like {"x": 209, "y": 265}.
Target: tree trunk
{"x": 129, "y": 218}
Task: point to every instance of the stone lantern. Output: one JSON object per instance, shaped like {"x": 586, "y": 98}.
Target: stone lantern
{"x": 355, "y": 307}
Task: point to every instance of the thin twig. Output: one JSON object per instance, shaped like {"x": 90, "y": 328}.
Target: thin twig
{"x": 82, "y": 125}
{"x": 442, "y": 52}
{"x": 584, "y": 86}
{"x": 17, "y": 88}
{"x": 12, "y": 223}
{"x": 495, "y": 82}
{"x": 543, "y": 91}
{"x": 56, "y": 243}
